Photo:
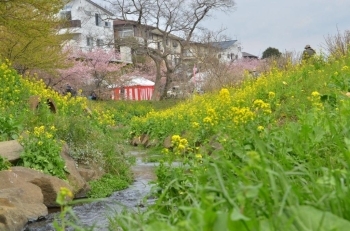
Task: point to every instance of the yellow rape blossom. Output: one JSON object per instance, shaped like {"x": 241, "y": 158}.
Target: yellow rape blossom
{"x": 224, "y": 95}
{"x": 261, "y": 105}
{"x": 198, "y": 156}
{"x": 242, "y": 115}
{"x": 315, "y": 94}
{"x": 260, "y": 128}
{"x": 175, "y": 138}
{"x": 195, "y": 125}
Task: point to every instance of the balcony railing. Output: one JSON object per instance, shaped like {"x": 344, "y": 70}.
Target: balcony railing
{"x": 71, "y": 23}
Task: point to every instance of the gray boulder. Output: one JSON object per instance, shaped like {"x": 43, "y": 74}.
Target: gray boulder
{"x": 49, "y": 185}
{"x": 20, "y": 201}
{"x": 78, "y": 183}
{"x": 11, "y": 150}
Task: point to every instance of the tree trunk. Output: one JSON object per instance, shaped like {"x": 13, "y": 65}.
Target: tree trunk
{"x": 157, "y": 84}
{"x": 168, "y": 81}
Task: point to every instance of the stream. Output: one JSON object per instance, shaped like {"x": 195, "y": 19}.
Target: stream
{"x": 97, "y": 213}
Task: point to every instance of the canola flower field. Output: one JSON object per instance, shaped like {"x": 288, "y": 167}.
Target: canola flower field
{"x": 86, "y": 127}
{"x": 271, "y": 154}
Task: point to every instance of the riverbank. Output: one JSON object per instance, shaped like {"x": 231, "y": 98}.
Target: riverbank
{"x": 96, "y": 214}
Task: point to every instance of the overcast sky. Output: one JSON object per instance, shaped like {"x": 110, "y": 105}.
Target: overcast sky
{"x": 287, "y": 25}
{"x": 283, "y": 24}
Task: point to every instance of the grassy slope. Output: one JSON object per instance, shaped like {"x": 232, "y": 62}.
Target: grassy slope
{"x": 283, "y": 158}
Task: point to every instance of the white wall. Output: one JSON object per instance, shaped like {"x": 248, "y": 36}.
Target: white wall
{"x": 234, "y": 50}
{"x": 84, "y": 11}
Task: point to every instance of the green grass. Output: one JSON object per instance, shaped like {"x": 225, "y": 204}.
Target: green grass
{"x": 106, "y": 185}
{"x": 287, "y": 169}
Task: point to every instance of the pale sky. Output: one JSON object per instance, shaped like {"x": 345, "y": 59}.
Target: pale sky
{"x": 283, "y": 24}
{"x": 287, "y": 25}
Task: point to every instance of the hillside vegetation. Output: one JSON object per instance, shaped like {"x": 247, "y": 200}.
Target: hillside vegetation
{"x": 271, "y": 154}
{"x": 43, "y": 121}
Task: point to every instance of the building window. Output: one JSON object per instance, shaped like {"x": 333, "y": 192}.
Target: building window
{"x": 66, "y": 15}
{"x": 167, "y": 42}
{"x": 98, "y": 20}
{"x": 99, "y": 42}
{"x": 107, "y": 24}
{"x": 219, "y": 56}
{"x": 89, "y": 41}
{"x": 126, "y": 33}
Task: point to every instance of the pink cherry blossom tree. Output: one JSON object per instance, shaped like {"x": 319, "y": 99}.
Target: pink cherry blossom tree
{"x": 90, "y": 71}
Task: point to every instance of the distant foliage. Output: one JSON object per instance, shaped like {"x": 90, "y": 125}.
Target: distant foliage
{"x": 338, "y": 45}
{"x": 92, "y": 70}
{"x": 28, "y": 34}
{"x": 271, "y": 52}
{"x": 223, "y": 75}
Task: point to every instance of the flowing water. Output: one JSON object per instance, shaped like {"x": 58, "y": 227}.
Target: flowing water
{"x": 97, "y": 213}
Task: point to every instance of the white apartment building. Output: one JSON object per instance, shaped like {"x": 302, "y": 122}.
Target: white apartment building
{"x": 89, "y": 24}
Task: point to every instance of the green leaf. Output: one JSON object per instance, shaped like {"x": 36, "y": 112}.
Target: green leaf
{"x": 236, "y": 215}
{"x": 305, "y": 218}
{"x": 220, "y": 222}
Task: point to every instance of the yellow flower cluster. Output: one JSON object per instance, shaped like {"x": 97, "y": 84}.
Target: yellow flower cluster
{"x": 316, "y": 100}
{"x": 224, "y": 95}
{"x": 105, "y": 118}
{"x": 65, "y": 104}
{"x": 261, "y": 105}
{"x": 345, "y": 68}
{"x": 198, "y": 156}
{"x": 242, "y": 115}
{"x": 272, "y": 95}
{"x": 208, "y": 120}
{"x": 64, "y": 196}
{"x": 40, "y": 132}
{"x": 315, "y": 95}
{"x": 195, "y": 125}
{"x": 211, "y": 118}
{"x": 179, "y": 144}
{"x": 260, "y": 128}
{"x": 11, "y": 88}
{"x": 66, "y": 192}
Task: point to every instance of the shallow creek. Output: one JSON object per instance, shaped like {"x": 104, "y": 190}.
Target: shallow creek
{"x": 97, "y": 213}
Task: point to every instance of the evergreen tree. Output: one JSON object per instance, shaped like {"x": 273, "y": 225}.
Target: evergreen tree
{"x": 271, "y": 52}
